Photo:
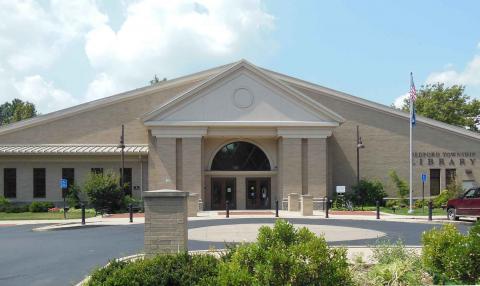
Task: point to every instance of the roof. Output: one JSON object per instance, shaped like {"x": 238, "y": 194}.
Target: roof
{"x": 91, "y": 105}
{"x": 231, "y": 69}
{"x": 72, "y": 149}
{"x": 295, "y": 82}
{"x": 204, "y": 76}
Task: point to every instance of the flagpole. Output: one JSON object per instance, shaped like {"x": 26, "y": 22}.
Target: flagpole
{"x": 411, "y": 152}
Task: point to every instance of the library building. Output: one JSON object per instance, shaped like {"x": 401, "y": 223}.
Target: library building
{"x": 237, "y": 133}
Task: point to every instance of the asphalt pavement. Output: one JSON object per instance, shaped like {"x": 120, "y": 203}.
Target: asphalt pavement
{"x": 64, "y": 257}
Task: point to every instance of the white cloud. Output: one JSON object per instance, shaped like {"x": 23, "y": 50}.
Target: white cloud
{"x": 399, "y": 101}
{"x": 43, "y": 94}
{"x": 469, "y": 76}
{"x": 167, "y": 38}
{"x": 103, "y": 85}
{"x": 162, "y": 37}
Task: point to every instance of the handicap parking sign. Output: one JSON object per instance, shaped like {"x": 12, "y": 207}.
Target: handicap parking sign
{"x": 63, "y": 183}
{"x": 424, "y": 177}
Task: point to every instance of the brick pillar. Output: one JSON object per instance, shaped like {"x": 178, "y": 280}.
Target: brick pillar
{"x": 306, "y": 205}
{"x": 161, "y": 163}
{"x": 165, "y": 221}
{"x": 290, "y": 166}
{"x": 193, "y": 204}
{"x": 293, "y": 201}
{"x": 317, "y": 169}
{"x": 192, "y": 165}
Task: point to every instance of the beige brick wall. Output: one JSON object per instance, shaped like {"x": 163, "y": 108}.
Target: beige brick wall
{"x": 317, "y": 167}
{"x": 97, "y": 126}
{"x": 192, "y": 165}
{"x": 386, "y": 138}
{"x": 53, "y": 170}
{"x": 165, "y": 222}
{"x": 290, "y": 168}
{"x": 162, "y": 163}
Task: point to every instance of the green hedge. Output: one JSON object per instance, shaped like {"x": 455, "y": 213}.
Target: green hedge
{"x": 40, "y": 207}
{"x": 282, "y": 256}
{"x": 452, "y": 257}
{"x": 179, "y": 269}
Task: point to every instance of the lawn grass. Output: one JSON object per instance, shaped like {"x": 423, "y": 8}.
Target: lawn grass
{"x": 43, "y": 216}
{"x": 416, "y": 212}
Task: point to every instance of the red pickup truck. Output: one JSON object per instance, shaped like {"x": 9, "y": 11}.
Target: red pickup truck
{"x": 466, "y": 205}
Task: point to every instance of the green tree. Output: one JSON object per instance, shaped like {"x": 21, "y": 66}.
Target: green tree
{"x": 156, "y": 80}
{"x": 104, "y": 192}
{"x": 16, "y": 110}
{"x": 446, "y": 104}
{"x": 402, "y": 186}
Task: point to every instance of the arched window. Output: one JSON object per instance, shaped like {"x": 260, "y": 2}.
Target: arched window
{"x": 240, "y": 156}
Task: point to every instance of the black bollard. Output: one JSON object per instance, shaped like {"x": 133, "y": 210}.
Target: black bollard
{"x": 378, "y": 210}
{"x": 83, "y": 213}
{"x": 326, "y": 207}
{"x": 430, "y": 210}
{"x": 276, "y": 208}
{"x": 130, "y": 210}
{"x": 227, "y": 207}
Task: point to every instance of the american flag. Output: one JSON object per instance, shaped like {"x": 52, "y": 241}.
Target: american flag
{"x": 413, "y": 91}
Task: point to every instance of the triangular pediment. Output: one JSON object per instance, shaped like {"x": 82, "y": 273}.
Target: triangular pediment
{"x": 242, "y": 94}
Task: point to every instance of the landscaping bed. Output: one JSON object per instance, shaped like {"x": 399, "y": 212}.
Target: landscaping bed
{"x": 44, "y": 215}
{"x": 284, "y": 255}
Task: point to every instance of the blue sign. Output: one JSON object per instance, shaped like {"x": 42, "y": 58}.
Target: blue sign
{"x": 424, "y": 177}
{"x": 63, "y": 183}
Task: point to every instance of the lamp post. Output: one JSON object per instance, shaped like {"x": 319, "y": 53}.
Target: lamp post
{"x": 359, "y": 146}
{"x": 122, "y": 146}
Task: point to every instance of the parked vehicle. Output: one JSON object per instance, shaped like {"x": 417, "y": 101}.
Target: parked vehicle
{"x": 466, "y": 205}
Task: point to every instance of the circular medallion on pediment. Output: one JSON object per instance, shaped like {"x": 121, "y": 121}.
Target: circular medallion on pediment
{"x": 243, "y": 98}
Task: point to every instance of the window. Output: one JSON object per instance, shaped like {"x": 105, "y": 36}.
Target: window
{"x": 98, "y": 171}
{"x": 450, "y": 176}
{"x": 434, "y": 182}
{"x": 127, "y": 179}
{"x": 69, "y": 175}
{"x": 470, "y": 194}
{"x": 10, "y": 182}
{"x": 39, "y": 188}
{"x": 240, "y": 156}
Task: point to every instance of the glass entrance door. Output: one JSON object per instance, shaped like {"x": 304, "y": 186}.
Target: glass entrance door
{"x": 223, "y": 190}
{"x": 258, "y": 193}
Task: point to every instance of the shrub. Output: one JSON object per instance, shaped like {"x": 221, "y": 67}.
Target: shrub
{"x": 17, "y": 208}
{"x": 40, "y": 207}
{"x": 450, "y": 256}
{"x": 4, "y": 203}
{"x": 284, "y": 255}
{"x": 421, "y": 203}
{"x": 401, "y": 185}
{"x": 395, "y": 265}
{"x": 367, "y": 192}
{"x": 179, "y": 269}
{"x": 394, "y": 203}
{"x": 72, "y": 196}
{"x": 104, "y": 192}
{"x": 443, "y": 198}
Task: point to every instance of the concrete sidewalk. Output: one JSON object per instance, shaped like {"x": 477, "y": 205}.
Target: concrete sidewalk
{"x": 123, "y": 219}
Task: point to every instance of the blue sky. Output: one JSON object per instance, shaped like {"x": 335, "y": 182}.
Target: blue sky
{"x": 61, "y": 53}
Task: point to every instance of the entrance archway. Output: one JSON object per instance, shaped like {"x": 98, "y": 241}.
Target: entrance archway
{"x": 241, "y": 157}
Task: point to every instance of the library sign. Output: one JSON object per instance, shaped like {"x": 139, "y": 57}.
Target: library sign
{"x": 449, "y": 159}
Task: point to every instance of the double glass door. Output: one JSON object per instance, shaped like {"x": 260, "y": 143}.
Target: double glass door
{"x": 258, "y": 193}
{"x": 223, "y": 190}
